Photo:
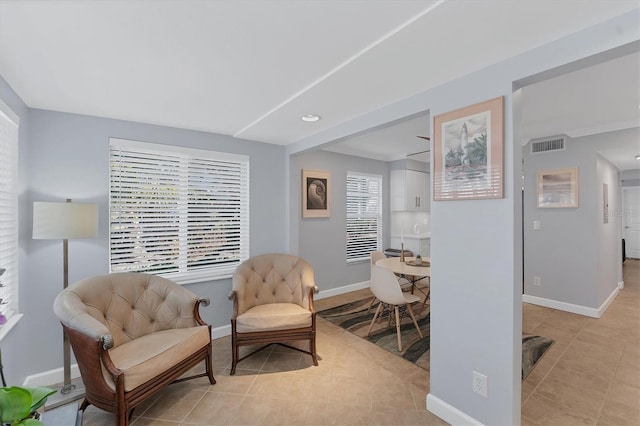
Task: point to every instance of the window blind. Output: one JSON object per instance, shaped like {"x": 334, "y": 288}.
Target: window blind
{"x": 9, "y": 123}
{"x": 177, "y": 212}
{"x": 364, "y": 215}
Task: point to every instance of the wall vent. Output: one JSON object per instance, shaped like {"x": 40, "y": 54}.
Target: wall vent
{"x": 552, "y": 143}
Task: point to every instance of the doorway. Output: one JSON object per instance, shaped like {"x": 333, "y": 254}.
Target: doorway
{"x": 631, "y": 220}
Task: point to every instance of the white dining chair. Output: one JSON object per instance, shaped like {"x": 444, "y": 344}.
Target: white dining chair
{"x": 386, "y": 288}
{"x": 405, "y": 284}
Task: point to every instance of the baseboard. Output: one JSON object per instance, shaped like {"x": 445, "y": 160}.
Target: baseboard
{"x": 48, "y": 378}
{"x": 449, "y": 413}
{"x": 222, "y": 331}
{"x": 341, "y": 290}
{"x": 570, "y": 307}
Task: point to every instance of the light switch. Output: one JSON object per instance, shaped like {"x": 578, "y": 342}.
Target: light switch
{"x": 536, "y": 225}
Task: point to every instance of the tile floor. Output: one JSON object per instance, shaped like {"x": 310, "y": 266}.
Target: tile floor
{"x": 590, "y": 376}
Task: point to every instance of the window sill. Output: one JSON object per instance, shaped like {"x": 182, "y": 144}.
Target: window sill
{"x": 6, "y": 327}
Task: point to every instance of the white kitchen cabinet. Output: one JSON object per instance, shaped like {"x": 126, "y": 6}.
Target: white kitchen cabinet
{"x": 409, "y": 190}
{"x": 416, "y": 245}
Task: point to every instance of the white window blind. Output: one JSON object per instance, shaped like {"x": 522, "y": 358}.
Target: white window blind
{"x": 364, "y": 215}
{"x": 9, "y": 123}
{"x": 177, "y": 212}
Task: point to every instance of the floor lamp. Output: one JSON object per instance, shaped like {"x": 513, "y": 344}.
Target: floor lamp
{"x": 65, "y": 221}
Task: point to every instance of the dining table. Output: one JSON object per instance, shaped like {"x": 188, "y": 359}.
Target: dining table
{"x": 411, "y": 271}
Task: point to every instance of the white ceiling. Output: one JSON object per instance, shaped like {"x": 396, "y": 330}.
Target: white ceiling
{"x": 596, "y": 99}
{"x": 251, "y": 68}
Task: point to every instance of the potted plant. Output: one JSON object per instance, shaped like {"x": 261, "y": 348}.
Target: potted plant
{"x": 418, "y": 259}
{"x": 19, "y": 405}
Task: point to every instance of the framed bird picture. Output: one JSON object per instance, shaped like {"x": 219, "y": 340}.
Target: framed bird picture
{"x": 316, "y": 193}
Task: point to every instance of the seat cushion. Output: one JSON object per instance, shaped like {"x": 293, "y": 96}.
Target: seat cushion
{"x": 146, "y": 357}
{"x": 273, "y": 316}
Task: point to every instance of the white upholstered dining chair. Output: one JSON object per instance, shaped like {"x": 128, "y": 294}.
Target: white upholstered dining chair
{"x": 386, "y": 288}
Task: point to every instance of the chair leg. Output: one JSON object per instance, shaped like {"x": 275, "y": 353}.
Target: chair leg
{"x": 373, "y": 320}
{"x": 373, "y": 299}
{"x": 209, "y": 366}
{"x": 312, "y": 349}
{"x": 398, "y": 327}
{"x": 234, "y": 352}
{"x": 413, "y": 317}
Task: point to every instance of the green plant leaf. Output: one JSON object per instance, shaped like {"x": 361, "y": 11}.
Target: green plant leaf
{"x": 30, "y": 422}
{"x": 39, "y": 396}
{"x": 15, "y": 404}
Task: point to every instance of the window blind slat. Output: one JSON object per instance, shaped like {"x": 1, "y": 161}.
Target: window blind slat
{"x": 181, "y": 213}
{"x": 9, "y": 291}
{"x": 364, "y": 215}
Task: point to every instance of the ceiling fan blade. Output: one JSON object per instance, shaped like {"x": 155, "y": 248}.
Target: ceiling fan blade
{"x": 416, "y": 153}
{"x": 424, "y": 137}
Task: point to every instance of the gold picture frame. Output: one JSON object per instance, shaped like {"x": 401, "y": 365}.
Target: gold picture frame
{"x": 468, "y": 152}
{"x": 316, "y": 193}
{"x": 558, "y": 188}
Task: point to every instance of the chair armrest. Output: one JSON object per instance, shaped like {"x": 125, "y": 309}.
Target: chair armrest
{"x": 234, "y": 296}
{"x": 196, "y": 309}
{"x": 312, "y": 290}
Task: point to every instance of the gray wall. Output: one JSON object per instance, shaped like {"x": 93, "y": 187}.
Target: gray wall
{"x": 573, "y": 253}
{"x": 66, "y": 156}
{"x": 322, "y": 241}
{"x": 476, "y": 296}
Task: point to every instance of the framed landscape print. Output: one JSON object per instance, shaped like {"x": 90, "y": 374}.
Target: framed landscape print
{"x": 316, "y": 193}
{"x": 468, "y": 152}
{"x": 558, "y": 188}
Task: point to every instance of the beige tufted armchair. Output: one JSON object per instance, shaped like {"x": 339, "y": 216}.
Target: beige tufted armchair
{"x": 272, "y": 303}
{"x": 132, "y": 334}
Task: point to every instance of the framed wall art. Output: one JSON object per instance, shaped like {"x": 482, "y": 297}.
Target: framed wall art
{"x": 316, "y": 193}
{"x": 468, "y": 152}
{"x": 558, "y": 188}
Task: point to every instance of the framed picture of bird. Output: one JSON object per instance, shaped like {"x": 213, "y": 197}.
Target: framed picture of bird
{"x": 316, "y": 193}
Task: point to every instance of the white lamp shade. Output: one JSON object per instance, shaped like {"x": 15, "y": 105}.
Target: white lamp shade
{"x": 63, "y": 221}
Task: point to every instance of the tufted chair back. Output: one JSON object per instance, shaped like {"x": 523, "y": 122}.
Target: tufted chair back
{"x": 273, "y": 278}
{"x": 129, "y": 305}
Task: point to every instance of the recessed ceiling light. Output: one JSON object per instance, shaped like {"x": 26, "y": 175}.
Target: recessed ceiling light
{"x": 638, "y": 157}
{"x": 310, "y": 118}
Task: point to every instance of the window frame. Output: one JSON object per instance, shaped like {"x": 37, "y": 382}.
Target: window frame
{"x": 378, "y": 216}
{"x": 189, "y": 166}
{"x": 9, "y": 215}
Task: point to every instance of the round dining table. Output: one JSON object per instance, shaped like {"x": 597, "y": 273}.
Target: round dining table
{"x": 408, "y": 267}
{"x": 410, "y": 271}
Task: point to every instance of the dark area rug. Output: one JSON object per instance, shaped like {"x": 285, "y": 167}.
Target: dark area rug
{"x": 356, "y": 317}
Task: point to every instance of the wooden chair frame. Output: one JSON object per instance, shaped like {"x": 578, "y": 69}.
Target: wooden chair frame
{"x": 89, "y": 352}
{"x": 270, "y": 337}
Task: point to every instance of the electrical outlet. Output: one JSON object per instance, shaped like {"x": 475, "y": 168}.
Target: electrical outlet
{"x": 480, "y": 384}
{"x": 537, "y": 281}
{"x": 537, "y": 225}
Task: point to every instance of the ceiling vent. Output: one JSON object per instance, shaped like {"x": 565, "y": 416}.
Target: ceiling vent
{"x": 551, "y": 143}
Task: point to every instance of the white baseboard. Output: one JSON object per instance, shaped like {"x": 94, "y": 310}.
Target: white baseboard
{"x": 48, "y": 378}
{"x": 222, "y": 331}
{"x": 51, "y": 377}
{"x": 570, "y": 307}
{"x": 449, "y": 413}
{"x": 341, "y": 290}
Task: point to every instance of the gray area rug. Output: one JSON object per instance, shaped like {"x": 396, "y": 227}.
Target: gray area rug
{"x": 356, "y": 317}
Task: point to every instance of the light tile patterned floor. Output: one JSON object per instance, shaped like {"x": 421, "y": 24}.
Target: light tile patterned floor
{"x": 591, "y": 375}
